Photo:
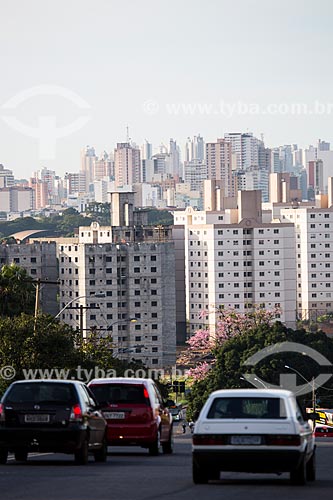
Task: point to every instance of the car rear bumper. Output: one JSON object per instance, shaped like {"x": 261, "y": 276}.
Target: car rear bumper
{"x": 127, "y": 435}
{"x": 248, "y": 460}
{"x": 50, "y": 440}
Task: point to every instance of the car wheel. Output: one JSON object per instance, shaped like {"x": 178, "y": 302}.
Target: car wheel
{"x": 311, "y": 468}
{"x": 81, "y": 455}
{"x": 154, "y": 448}
{"x": 200, "y": 475}
{"x": 3, "y": 456}
{"x": 298, "y": 476}
{"x": 168, "y": 446}
{"x": 102, "y": 454}
{"x": 21, "y": 456}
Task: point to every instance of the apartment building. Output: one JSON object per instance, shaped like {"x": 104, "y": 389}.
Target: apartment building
{"x": 39, "y": 259}
{"x": 233, "y": 260}
{"x": 119, "y": 280}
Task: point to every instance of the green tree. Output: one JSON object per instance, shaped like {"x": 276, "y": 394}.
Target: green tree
{"x": 17, "y": 293}
{"x": 50, "y": 345}
{"x": 231, "y": 355}
{"x": 100, "y": 212}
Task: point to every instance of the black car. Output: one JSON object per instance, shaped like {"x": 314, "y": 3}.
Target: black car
{"x": 56, "y": 416}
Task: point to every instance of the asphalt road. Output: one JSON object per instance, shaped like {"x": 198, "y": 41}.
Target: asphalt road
{"x": 131, "y": 474}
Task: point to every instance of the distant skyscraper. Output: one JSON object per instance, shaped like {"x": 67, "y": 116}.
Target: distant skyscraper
{"x": 323, "y": 146}
{"x": 195, "y": 173}
{"x": 218, "y": 161}
{"x": 244, "y": 148}
{"x": 88, "y": 158}
{"x": 315, "y": 171}
{"x": 174, "y": 158}
{"x": 6, "y": 177}
{"x": 146, "y": 151}
{"x": 195, "y": 149}
{"x": 127, "y": 164}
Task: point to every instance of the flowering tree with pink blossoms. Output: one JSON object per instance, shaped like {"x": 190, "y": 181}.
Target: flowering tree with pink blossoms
{"x": 203, "y": 345}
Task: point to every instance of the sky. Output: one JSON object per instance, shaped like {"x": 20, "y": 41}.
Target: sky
{"x": 78, "y": 72}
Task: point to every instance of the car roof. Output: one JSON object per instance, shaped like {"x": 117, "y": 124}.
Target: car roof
{"x": 252, "y": 392}
{"x": 120, "y": 380}
{"x": 48, "y": 380}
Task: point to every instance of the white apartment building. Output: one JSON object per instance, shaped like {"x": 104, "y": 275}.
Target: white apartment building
{"x": 314, "y": 259}
{"x": 124, "y": 290}
{"x": 235, "y": 261}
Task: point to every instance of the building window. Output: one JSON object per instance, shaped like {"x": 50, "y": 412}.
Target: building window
{"x": 136, "y": 258}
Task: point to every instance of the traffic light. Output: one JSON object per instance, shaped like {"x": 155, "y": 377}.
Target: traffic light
{"x": 182, "y": 387}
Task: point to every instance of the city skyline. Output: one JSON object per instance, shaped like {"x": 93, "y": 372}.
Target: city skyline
{"x": 164, "y": 72}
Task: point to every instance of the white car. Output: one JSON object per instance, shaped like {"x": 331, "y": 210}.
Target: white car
{"x": 252, "y": 430}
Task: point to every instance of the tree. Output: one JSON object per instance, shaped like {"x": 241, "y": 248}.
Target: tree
{"x": 231, "y": 355}
{"x": 17, "y": 293}
{"x": 100, "y": 212}
{"x": 50, "y": 345}
{"x": 203, "y": 345}
{"x": 52, "y": 350}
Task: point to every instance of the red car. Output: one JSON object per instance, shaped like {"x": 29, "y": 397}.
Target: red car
{"x": 323, "y": 431}
{"x": 135, "y": 413}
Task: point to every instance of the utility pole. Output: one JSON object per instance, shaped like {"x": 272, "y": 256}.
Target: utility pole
{"x": 38, "y": 282}
{"x": 82, "y": 308}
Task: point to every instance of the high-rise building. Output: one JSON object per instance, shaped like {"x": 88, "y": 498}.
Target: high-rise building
{"x": 218, "y": 161}
{"x": 314, "y": 259}
{"x": 6, "y": 177}
{"x": 245, "y": 148}
{"x": 39, "y": 259}
{"x": 234, "y": 260}
{"x": 315, "y": 171}
{"x": 195, "y": 149}
{"x": 195, "y": 172}
{"x": 88, "y": 157}
{"x": 16, "y": 199}
{"x": 75, "y": 183}
{"x": 146, "y": 150}
{"x": 174, "y": 163}
{"x": 127, "y": 164}
{"x": 125, "y": 275}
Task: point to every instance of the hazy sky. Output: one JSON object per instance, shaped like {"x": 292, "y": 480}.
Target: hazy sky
{"x": 143, "y": 62}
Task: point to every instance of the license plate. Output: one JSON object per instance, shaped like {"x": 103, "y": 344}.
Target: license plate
{"x": 37, "y": 418}
{"x": 113, "y": 415}
{"x": 245, "y": 440}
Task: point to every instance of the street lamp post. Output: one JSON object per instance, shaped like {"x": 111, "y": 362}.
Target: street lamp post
{"x": 81, "y": 307}
{"x": 312, "y": 384}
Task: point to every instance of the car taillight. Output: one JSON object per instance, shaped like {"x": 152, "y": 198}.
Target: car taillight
{"x": 209, "y": 439}
{"x": 2, "y": 413}
{"x": 145, "y": 393}
{"x": 76, "y": 413}
{"x": 283, "y": 440}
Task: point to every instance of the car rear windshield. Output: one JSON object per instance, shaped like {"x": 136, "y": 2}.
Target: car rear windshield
{"x": 119, "y": 393}
{"x": 249, "y": 407}
{"x": 43, "y": 392}
{"x": 324, "y": 430}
